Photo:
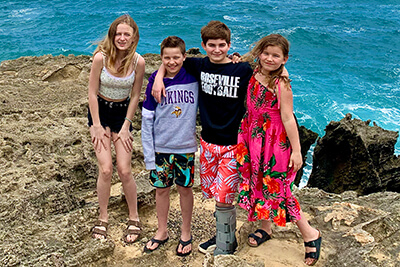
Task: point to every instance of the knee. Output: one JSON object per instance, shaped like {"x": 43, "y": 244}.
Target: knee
{"x": 185, "y": 191}
{"x": 163, "y": 192}
{"x": 105, "y": 172}
{"x": 125, "y": 174}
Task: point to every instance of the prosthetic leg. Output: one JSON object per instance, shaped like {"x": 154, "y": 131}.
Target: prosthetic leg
{"x": 226, "y": 228}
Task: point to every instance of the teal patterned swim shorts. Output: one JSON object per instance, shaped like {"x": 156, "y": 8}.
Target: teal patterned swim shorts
{"x": 173, "y": 167}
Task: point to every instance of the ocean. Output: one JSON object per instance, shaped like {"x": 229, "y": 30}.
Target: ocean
{"x": 344, "y": 57}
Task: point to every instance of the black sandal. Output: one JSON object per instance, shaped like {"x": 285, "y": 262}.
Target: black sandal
{"x": 153, "y": 240}
{"x": 314, "y": 244}
{"x": 259, "y": 240}
{"x": 184, "y": 244}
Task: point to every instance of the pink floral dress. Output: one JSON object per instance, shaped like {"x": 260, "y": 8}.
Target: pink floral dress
{"x": 263, "y": 154}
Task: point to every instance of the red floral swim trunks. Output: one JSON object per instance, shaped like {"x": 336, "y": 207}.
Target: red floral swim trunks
{"x": 218, "y": 174}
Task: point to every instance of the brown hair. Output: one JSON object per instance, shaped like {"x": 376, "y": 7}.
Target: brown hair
{"x": 172, "y": 42}
{"x": 270, "y": 40}
{"x": 107, "y": 45}
{"x": 215, "y": 30}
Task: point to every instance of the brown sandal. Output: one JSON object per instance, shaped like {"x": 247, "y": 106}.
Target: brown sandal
{"x": 96, "y": 230}
{"x": 129, "y": 231}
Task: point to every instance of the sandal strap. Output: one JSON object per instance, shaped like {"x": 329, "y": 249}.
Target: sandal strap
{"x": 185, "y": 243}
{"x": 158, "y": 241}
{"x": 263, "y": 233}
{"x": 264, "y": 236}
{"x": 312, "y": 255}
{"x": 255, "y": 237}
{"x": 312, "y": 244}
{"x": 99, "y": 231}
{"x": 133, "y": 231}
{"x": 100, "y": 223}
{"x": 134, "y": 223}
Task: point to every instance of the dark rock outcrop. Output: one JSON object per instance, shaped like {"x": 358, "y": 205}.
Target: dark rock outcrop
{"x": 355, "y": 156}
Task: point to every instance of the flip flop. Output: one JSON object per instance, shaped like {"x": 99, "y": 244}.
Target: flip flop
{"x": 153, "y": 240}
{"x": 259, "y": 240}
{"x": 184, "y": 244}
{"x": 314, "y": 244}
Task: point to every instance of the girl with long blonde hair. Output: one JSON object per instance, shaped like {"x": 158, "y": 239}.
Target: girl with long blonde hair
{"x": 115, "y": 82}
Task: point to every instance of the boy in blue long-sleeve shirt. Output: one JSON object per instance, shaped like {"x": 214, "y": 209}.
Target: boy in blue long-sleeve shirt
{"x": 169, "y": 142}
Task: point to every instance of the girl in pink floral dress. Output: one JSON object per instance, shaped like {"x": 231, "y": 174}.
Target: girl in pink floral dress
{"x": 268, "y": 151}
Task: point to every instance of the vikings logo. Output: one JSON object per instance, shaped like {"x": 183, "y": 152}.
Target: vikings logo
{"x": 177, "y": 111}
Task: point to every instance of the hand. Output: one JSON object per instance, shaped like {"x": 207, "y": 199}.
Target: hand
{"x": 99, "y": 136}
{"x": 235, "y": 57}
{"x": 126, "y": 138}
{"x": 295, "y": 161}
{"x": 158, "y": 90}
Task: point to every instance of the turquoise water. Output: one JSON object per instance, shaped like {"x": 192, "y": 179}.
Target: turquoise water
{"x": 344, "y": 56}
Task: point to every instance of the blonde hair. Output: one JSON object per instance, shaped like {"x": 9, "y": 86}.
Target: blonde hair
{"x": 255, "y": 52}
{"x": 107, "y": 46}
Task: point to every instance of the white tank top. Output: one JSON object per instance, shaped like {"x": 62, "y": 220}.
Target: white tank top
{"x": 116, "y": 87}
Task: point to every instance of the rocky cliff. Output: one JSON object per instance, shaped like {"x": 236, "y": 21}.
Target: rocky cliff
{"x": 48, "y": 197}
{"x": 353, "y": 155}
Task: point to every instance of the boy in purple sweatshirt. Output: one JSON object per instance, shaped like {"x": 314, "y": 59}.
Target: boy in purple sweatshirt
{"x": 169, "y": 142}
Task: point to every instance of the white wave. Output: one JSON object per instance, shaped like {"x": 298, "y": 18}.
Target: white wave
{"x": 353, "y": 30}
{"x": 292, "y": 30}
{"x": 353, "y": 107}
{"x": 392, "y": 116}
{"x": 22, "y": 12}
{"x": 298, "y": 78}
{"x": 122, "y": 12}
{"x": 302, "y": 117}
{"x": 288, "y": 31}
{"x": 308, "y": 168}
{"x": 172, "y": 7}
{"x": 229, "y": 18}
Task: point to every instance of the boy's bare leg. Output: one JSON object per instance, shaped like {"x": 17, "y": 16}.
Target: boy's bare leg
{"x": 162, "y": 208}
{"x": 186, "y": 202}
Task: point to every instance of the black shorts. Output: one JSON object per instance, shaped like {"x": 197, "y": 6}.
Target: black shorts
{"x": 112, "y": 114}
